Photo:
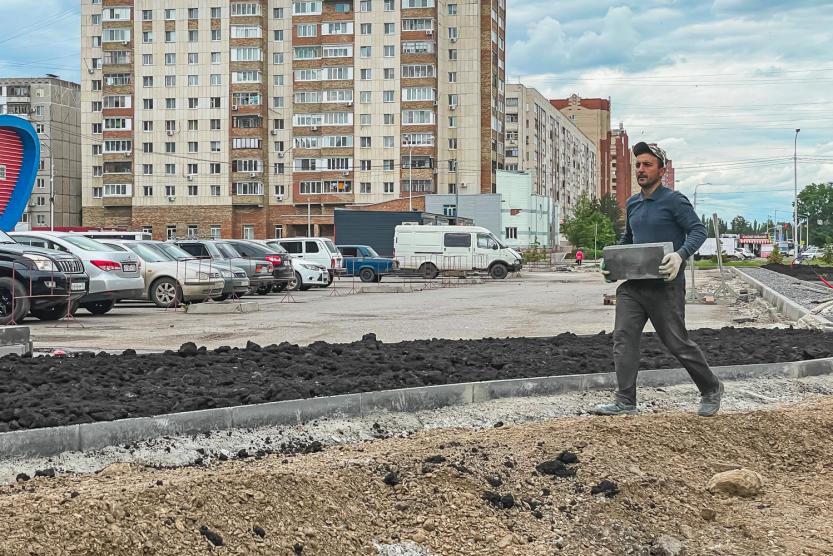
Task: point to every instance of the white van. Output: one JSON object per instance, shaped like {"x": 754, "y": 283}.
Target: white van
{"x": 318, "y": 250}
{"x": 430, "y": 250}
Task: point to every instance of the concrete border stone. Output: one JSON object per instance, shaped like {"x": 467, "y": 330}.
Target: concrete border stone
{"x": 91, "y": 436}
{"x": 784, "y": 304}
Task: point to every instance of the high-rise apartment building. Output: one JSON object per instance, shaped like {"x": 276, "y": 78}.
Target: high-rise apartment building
{"x": 257, "y": 119}
{"x": 52, "y": 106}
{"x": 592, "y": 117}
{"x": 622, "y": 167}
{"x": 540, "y": 140}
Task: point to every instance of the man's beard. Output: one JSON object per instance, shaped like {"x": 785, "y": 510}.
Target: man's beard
{"x": 648, "y": 185}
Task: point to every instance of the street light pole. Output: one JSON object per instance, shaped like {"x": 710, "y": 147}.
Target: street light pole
{"x": 51, "y": 185}
{"x": 693, "y": 291}
{"x": 795, "y": 192}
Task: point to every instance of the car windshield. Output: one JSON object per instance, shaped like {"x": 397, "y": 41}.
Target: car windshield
{"x": 114, "y": 246}
{"x": 499, "y": 243}
{"x": 331, "y": 247}
{"x": 5, "y": 238}
{"x": 228, "y": 251}
{"x": 276, "y": 247}
{"x": 85, "y": 243}
{"x": 255, "y": 248}
{"x": 173, "y": 251}
{"x": 147, "y": 253}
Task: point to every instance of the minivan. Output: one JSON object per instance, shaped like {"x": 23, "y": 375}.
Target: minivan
{"x": 430, "y": 250}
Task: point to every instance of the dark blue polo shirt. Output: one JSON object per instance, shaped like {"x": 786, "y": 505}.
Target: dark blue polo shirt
{"x": 664, "y": 216}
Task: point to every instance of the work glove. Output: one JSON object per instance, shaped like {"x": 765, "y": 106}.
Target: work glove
{"x": 605, "y": 272}
{"x": 670, "y": 266}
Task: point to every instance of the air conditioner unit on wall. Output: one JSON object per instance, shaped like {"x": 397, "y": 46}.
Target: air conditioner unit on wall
{"x": 170, "y": 132}
{"x": 274, "y": 132}
{"x": 234, "y": 107}
{"x": 280, "y": 155}
{"x": 314, "y": 128}
{"x": 279, "y": 196}
{"x": 429, "y": 32}
{"x": 171, "y": 198}
{"x": 189, "y": 178}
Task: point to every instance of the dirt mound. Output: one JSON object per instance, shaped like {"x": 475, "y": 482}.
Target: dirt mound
{"x": 46, "y": 391}
{"x": 650, "y": 474}
{"x": 805, "y": 271}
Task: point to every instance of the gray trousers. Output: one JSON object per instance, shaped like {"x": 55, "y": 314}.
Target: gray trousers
{"x": 663, "y": 303}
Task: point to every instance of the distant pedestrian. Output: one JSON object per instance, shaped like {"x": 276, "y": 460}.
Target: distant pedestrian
{"x": 579, "y": 256}
{"x": 658, "y": 214}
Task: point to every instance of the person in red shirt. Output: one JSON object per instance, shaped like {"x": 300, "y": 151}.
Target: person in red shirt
{"x": 579, "y": 256}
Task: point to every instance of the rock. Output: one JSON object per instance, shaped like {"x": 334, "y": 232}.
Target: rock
{"x": 608, "y": 488}
{"x": 555, "y": 467}
{"x": 211, "y": 536}
{"x": 259, "y": 531}
{"x": 391, "y": 479}
{"x": 22, "y": 477}
{"x": 721, "y": 466}
{"x": 188, "y": 349}
{"x": 429, "y": 525}
{"x": 49, "y": 473}
{"x": 708, "y": 514}
{"x": 667, "y": 545}
{"x": 506, "y": 541}
{"x": 737, "y": 482}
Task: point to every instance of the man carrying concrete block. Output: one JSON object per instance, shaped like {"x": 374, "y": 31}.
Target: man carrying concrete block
{"x": 657, "y": 215}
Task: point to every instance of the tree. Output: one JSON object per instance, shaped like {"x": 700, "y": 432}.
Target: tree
{"x": 816, "y": 201}
{"x": 775, "y": 257}
{"x": 589, "y": 226}
{"x": 740, "y": 225}
{"x": 609, "y": 206}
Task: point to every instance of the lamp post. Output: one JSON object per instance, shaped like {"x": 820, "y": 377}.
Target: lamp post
{"x": 693, "y": 292}
{"x": 51, "y": 185}
{"x": 795, "y": 192}
{"x": 411, "y": 178}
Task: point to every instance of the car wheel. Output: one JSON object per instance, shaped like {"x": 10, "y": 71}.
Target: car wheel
{"x": 13, "y": 303}
{"x": 429, "y": 271}
{"x": 263, "y": 290}
{"x": 499, "y": 271}
{"x": 221, "y": 297}
{"x": 296, "y": 283}
{"x": 52, "y": 312}
{"x": 329, "y": 281}
{"x": 165, "y": 293}
{"x": 277, "y": 288}
{"x": 99, "y": 307}
{"x": 367, "y": 275}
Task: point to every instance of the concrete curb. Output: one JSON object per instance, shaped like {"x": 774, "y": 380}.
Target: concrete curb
{"x": 784, "y": 304}
{"x": 92, "y": 436}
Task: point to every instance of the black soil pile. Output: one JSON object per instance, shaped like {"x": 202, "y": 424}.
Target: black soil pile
{"x": 806, "y": 271}
{"x": 49, "y": 391}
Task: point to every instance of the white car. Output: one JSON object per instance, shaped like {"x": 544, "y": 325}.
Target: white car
{"x": 318, "y": 250}
{"x": 307, "y": 275}
{"x": 812, "y": 252}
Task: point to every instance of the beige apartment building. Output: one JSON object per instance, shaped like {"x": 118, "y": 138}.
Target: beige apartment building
{"x": 257, "y": 119}
{"x": 563, "y": 162}
{"x": 52, "y": 106}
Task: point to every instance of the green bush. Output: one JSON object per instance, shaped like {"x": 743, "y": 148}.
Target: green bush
{"x": 828, "y": 254}
{"x": 776, "y": 257}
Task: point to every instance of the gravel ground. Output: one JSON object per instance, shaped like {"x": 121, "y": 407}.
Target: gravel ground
{"x": 574, "y": 485}
{"x": 169, "y": 452}
{"x": 807, "y": 294}
{"x": 51, "y": 391}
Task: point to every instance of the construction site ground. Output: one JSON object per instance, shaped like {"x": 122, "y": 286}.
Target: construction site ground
{"x": 524, "y": 476}
{"x": 535, "y": 304}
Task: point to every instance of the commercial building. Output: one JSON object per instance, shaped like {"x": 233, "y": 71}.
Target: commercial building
{"x": 562, "y": 161}
{"x": 52, "y": 106}
{"x": 528, "y": 218}
{"x": 251, "y": 119}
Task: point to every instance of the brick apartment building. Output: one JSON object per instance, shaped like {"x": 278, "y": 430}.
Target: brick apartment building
{"x": 237, "y": 119}
{"x": 562, "y": 161}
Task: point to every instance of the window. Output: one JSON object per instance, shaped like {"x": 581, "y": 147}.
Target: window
{"x": 452, "y": 54}
{"x": 338, "y": 51}
{"x": 214, "y": 168}
{"x": 248, "y": 231}
{"x": 387, "y": 165}
{"x": 193, "y": 35}
{"x": 388, "y": 187}
{"x": 170, "y": 80}
{"x": 366, "y": 6}
{"x": 452, "y": 9}
{"x": 193, "y": 190}
{"x": 365, "y": 142}
{"x": 417, "y": 4}
{"x": 147, "y": 126}
{"x": 116, "y": 190}
{"x": 193, "y": 58}
{"x": 246, "y": 31}
{"x": 417, "y": 117}
{"x": 147, "y": 147}
{"x": 170, "y": 231}
{"x": 215, "y": 146}
{"x": 306, "y": 8}
{"x": 147, "y": 15}
{"x": 366, "y": 74}
{"x": 277, "y": 13}
{"x": 389, "y": 73}
{"x": 338, "y": 73}
{"x": 452, "y": 100}
{"x": 216, "y": 35}
{"x": 365, "y": 165}
{"x": 452, "y": 144}
{"x": 248, "y": 188}
{"x": 418, "y": 24}
{"x": 390, "y": 28}
{"x": 147, "y": 37}
{"x": 457, "y": 240}
{"x": 364, "y": 187}
{"x": 192, "y": 232}
{"x": 342, "y": 7}
{"x": 365, "y": 52}
{"x": 170, "y": 169}
{"x": 511, "y": 233}
{"x": 307, "y": 52}
{"x": 389, "y": 51}
{"x": 147, "y": 190}
{"x": 246, "y": 54}
{"x": 365, "y": 28}
{"x": 452, "y": 121}
{"x": 388, "y": 96}
{"x": 147, "y": 59}
{"x": 193, "y": 146}
{"x": 115, "y": 35}
{"x": 453, "y": 34}
{"x": 389, "y": 119}
{"x": 170, "y": 190}
{"x": 170, "y": 36}
{"x": 417, "y": 93}
{"x": 417, "y": 71}
{"x": 216, "y": 57}
{"x": 452, "y": 77}
{"x": 337, "y": 28}
{"x": 170, "y": 14}
{"x": 147, "y": 169}
{"x": 97, "y": 193}
{"x": 245, "y": 8}
{"x": 389, "y": 7}
{"x": 418, "y": 47}
{"x": 170, "y": 147}
{"x": 193, "y": 80}
{"x": 215, "y": 190}
{"x": 216, "y": 13}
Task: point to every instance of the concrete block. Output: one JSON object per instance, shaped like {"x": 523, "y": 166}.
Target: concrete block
{"x": 17, "y": 349}
{"x": 15, "y": 335}
{"x": 417, "y": 399}
{"x": 294, "y": 412}
{"x": 39, "y": 442}
{"x": 223, "y": 308}
{"x": 636, "y": 262}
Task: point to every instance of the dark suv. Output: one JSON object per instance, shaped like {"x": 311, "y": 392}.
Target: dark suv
{"x": 41, "y": 281}
{"x": 275, "y": 254}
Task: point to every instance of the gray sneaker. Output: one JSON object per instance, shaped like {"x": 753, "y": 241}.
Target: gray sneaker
{"x": 614, "y": 408}
{"x": 710, "y": 403}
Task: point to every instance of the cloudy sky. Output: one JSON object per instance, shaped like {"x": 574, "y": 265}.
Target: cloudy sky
{"x": 720, "y": 84}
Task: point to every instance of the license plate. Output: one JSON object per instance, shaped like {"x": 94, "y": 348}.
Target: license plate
{"x": 78, "y": 286}
{"x": 129, "y": 267}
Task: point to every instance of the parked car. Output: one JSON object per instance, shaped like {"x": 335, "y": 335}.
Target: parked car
{"x": 430, "y": 250}
{"x": 743, "y": 253}
{"x": 42, "y": 282}
{"x": 235, "y": 278}
{"x": 811, "y": 253}
{"x": 363, "y": 261}
{"x": 258, "y": 270}
{"x": 169, "y": 282}
{"x": 318, "y": 250}
{"x": 114, "y": 275}
{"x": 307, "y": 275}
{"x": 275, "y": 254}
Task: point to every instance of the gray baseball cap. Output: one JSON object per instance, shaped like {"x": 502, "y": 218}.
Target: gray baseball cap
{"x": 644, "y": 148}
